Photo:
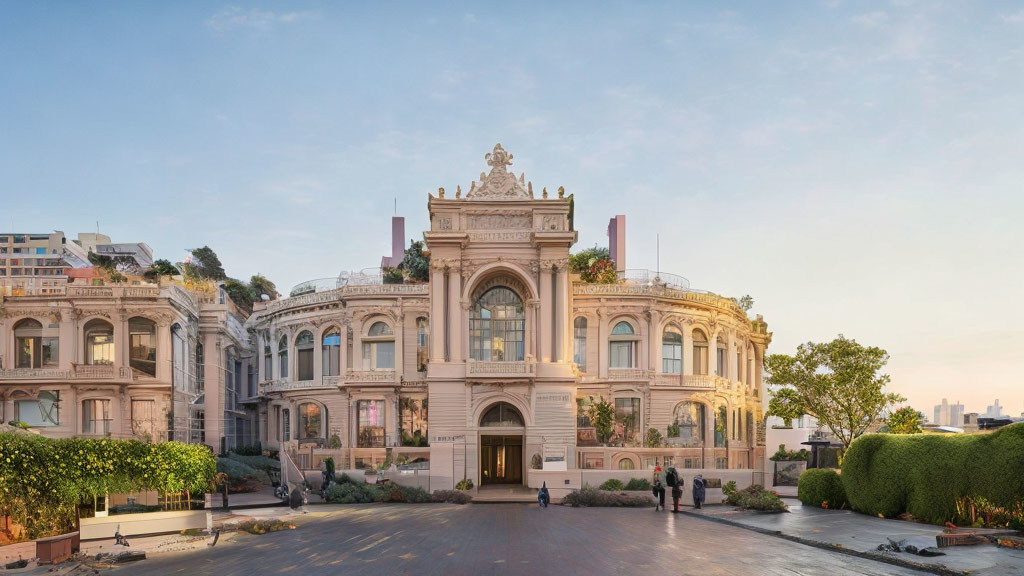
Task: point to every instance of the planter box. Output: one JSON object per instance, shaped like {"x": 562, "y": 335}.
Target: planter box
{"x": 145, "y": 523}
{"x": 56, "y": 549}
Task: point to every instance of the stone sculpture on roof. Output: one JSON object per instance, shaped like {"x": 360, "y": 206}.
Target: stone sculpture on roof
{"x": 499, "y": 184}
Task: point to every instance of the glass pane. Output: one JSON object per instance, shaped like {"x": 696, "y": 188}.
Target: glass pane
{"x": 142, "y": 346}
{"x": 622, "y": 329}
{"x": 305, "y": 360}
{"x": 385, "y": 355}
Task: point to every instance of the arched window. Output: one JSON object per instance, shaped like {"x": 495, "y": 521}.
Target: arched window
{"x": 626, "y": 464}
{"x": 671, "y": 351}
{"x": 622, "y": 346}
{"x": 687, "y": 425}
{"x": 32, "y": 349}
{"x": 310, "y": 421}
{"x": 422, "y": 340}
{"x": 200, "y": 369}
{"x": 99, "y": 342}
{"x": 268, "y": 357}
{"x": 282, "y": 357}
{"x": 502, "y": 415}
{"x": 723, "y": 358}
{"x": 579, "y": 343}
{"x": 496, "y": 326}
{"x": 330, "y": 350}
{"x": 304, "y": 355}
{"x": 700, "y": 352}
{"x": 379, "y": 348}
{"x": 721, "y": 427}
{"x": 142, "y": 345}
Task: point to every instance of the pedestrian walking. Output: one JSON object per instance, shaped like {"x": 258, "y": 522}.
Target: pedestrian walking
{"x": 543, "y": 497}
{"x": 675, "y": 482}
{"x": 698, "y": 490}
{"x": 659, "y": 487}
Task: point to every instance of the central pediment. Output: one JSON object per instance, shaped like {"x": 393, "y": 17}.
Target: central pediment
{"x": 500, "y": 184}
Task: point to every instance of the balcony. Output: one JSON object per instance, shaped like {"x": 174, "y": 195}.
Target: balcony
{"x": 34, "y": 374}
{"x": 92, "y": 371}
{"x": 285, "y": 385}
{"x": 520, "y": 369}
{"x": 628, "y": 374}
{"x": 370, "y": 377}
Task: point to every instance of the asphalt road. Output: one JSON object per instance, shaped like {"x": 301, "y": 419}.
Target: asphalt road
{"x": 501, "y": 539}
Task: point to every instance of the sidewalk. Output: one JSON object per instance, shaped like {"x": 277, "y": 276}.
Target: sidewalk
{"x": 861, "y": 534}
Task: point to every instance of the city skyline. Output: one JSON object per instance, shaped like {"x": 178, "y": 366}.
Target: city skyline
{"x": 852, "y": 169}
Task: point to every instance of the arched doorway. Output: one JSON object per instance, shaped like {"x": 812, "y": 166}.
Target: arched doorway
{"x": 501, "y": 445}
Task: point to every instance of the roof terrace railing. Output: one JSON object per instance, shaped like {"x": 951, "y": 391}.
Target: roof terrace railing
{"x": 364, "y": 277}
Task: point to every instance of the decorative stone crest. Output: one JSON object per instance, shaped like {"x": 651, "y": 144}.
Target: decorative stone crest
{"x": 499, "y": 184}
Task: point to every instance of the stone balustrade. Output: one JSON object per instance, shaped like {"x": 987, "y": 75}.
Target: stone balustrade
{"x": 523, "y": 369}
{"x": 369, "y": 376}
{"x": 628, "y": 374}
{"x": 34, "y": 374}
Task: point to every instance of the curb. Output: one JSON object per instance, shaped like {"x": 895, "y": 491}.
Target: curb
{"x": 902, "y": 563}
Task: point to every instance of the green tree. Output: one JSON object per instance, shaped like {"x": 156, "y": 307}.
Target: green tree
{"x": 205, "y": 264}
{"x": 837, "y": 382}
{"x": 602, "y": 416}
{"x": 260, "y": 285}
{"x": 581, "y": 261}
{"x": 240, "y": 294}
{"x": 906, "y": 420}
{"x": 785, "y": 404}
{"x": 416, "y": 264}
{"x": 160, "y": 268}
{"x": 746, "y": 303}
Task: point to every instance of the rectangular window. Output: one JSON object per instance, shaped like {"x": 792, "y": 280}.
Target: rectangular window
{"x": 620, "y": 354}
{"x": 96, "y": 417}
{"x": 38, "y": 413}
{"x": 252, "y": 381}
{"x": 144, "y": 417}
{"x": 700, "y": 360}
{"x": 414, "y": 421}
{"x": 671, "y": 359}
{"x": 627, "y": 420}
{"x": 582, "y": 416}
{"x": 286, "y": 424}
{"x": 40, "y": 250}
{"x": 304, "y": 356}
{"x": 371, "y": 423}
{"x": 579, "y": 345}
{"x": 379, "y": 355}
{"x": 721, "y": 362}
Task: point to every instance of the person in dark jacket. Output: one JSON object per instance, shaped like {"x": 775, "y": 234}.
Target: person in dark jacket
{"x": 675, "y": 482}
{"x": 698, "y": 491}
{"x": 543, "y": 497}
{"x": 659, "y": 487}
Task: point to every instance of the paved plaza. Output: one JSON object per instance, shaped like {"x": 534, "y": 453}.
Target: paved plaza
{"x": 481, "y": 539}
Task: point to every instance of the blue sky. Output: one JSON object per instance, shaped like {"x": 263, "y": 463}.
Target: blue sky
{"x": 856, "y": 167}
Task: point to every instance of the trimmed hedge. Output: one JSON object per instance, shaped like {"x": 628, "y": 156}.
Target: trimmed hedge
{"x": 822, "y": 487}
{"x": 356, "y": 493}
{"x": 612, "y": 485}
{"x": 42, "y": 480}
{"x": 590, "y": 496}
{"x": 923, "y": 474}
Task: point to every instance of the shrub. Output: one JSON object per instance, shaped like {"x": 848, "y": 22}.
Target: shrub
{"x": 355, "y": 493}
{"x": 451, "y": 496}
{"x": 260, "y": 463}
{"x": 264, "y": 526}
{"x": 251, "y": 450}
{"x": 237, "y": 471}
{"x": 638, "y": 484}
{"x": 590, "y": 496}
{"x": 924, "y": 475}
{"x": 783, "y": 455}
{"x": 755, "y": 497}
{"x": 729, "y": 489}
{"x": 612, "y": 485}
{"x": 464, "y": 484}
{"x": 822, "y": 487}
{"x": 653, "y": 438}
{"x": 349, "y": 493}
{"x": 42, "y": 480}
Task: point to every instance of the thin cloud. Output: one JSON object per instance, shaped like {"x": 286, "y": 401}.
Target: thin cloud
{"x": 234, "y": 17}
{"x": 871, "y": 19}
{"x": 1015, "y": 18}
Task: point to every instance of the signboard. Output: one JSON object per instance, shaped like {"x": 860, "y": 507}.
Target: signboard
{"x": 554, "y": 458}
{"x": 586, "y": 437}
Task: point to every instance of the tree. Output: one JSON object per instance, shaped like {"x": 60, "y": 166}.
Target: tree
{"x": 240, "y": 294}
{"x": 602, "y": 415}
{"x": 906, "y": 420}
{"x": 160, "y": 268}
{"x": 416, "y": 265}
{"x": 260, "y": 285}
{"x": 746, "y": 303}
{"x": 205, "y": 264}
{"x": 837, "y": 382}
{"x": 785, "y": 404}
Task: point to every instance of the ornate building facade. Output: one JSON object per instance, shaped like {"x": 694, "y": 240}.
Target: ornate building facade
{"x": 504, "y": 365}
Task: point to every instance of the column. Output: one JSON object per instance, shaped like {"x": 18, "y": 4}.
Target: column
{"x": 400, "y": 346}
{"x": 602, "y": 345}
{"x": 357, "y": 345}
{"x": 713, "y": 354}
{"x": 318, "y": 359}
{"x": 546, "y": 329}
{"x": 437, "y": 297}
{"x": 454, "y": 314}
{"x": 69, "y": 341}
{"x": 163, "y": 353}
{"x": 7, "y": 356}
{"x": 213, "y": 377}
{"x": 562, "y": 313}
{"x": 530, "y": 344}
{"x": 687, "y": 349}
{"x": 343, "y": 352}
{"x": 121, "y": 345}
{"x": 654, "y": 339}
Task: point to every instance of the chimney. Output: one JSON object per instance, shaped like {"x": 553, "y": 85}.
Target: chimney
{"x": 397, "y": 243}
{"x": 617, "y": 241}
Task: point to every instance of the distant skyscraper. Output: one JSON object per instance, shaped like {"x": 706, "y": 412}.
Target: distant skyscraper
{"x": 994, "y": 411}
{"x": 947, "y": 414}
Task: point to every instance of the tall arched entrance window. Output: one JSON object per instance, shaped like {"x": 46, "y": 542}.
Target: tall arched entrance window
{"x": 496, "y": 326}
{"x": 142, "y": 345}
{"x": 331, "y": 352}
{"x": 379, "y": 347}
{"x": 501, "y": 445}
{"x": 671, "y": 351}
{"x": 304, "y": 355}
{"x": 700, "y": 352}
{"x": 32, "y": 350}
{"x": 687, "y": 428}
{"x": 311, "y": 421}
{"x": 99, "y": 342}
{"x": 282, "y": 356}
{"x": 622, "y": 346}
